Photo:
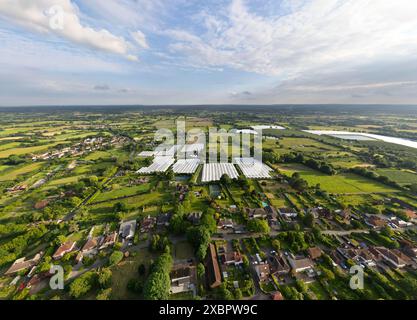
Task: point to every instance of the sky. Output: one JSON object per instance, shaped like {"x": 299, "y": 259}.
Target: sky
{"x": 94, "y": 52}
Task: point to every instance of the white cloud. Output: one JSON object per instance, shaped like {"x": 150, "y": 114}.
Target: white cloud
{"x": 36, "y": 16}
{"x": 140, "y": 39}
{"x": 315, "y": 34}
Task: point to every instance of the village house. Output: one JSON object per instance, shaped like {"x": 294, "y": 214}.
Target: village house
{"x": 23, "y": 264}
{"x": 409, "y": 248}
{"x": 300, "y": 264}
{"x": 108, "y": 240}
{"x": 257, "y": 213}
{"x": 225, "y": 224}
{"x": 89, "y": 249}
{"x": 314, "y": 253}
{"x": 277, "y": 296}
{"x": 279, "y": 265}
{"x": 228, "y": 256}
{"x": 63, "y": 249}
{"x": 127, "y": 230}
{"x": 287, "y": 212}
{"x": 213, "y": 268}
{"x": 262, "y": 271}
{"x": 411, "y": 215}
{"x": 375, "y": 222}
{"x": 389, "y": 256}
{"x": 183, "y": 279}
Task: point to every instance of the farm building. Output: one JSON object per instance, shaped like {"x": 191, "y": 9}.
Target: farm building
{"x": 186, "y": 166}
{"x": 252, "y": 168}
{"x": 159, "y": 164}
{"x": 214, "y": 171}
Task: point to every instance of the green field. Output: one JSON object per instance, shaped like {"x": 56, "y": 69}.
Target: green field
{"x": 402, "y": 177}
{"x": 22, "y": 151}
{"x": 13, "y": 174}
{"x": 341, "y": 183}
{"x": 123, "y": 192}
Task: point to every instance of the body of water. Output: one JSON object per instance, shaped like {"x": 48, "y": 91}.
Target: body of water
{"x": 362, "y": 135}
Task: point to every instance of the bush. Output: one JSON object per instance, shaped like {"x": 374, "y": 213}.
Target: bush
{"x": 115, "y": 258}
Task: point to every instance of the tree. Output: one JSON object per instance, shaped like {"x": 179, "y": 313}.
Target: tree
{"x": 276, "y": 244}
{"x": 104, "y": 294}
{"x": 309, "y": 220}
{"x": 225, "y": 179}
{"x": 115, "y": 257}
{"x": 83, "y": 284}
{"x": 258, "y": 225}
{"x": 120, "y": 207}
{"x": 201, "y": 270}
{"x": 104, "y": 278}
{"x": 413, "y": 188}
{"x": 238, "y": 294}
{"x": 158, "y": 284}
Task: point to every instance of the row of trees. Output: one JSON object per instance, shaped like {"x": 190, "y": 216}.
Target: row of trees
{"x": 158, "y": 284}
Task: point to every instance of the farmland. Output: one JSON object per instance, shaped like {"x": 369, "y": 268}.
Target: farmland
{"x": 99, "y": 179}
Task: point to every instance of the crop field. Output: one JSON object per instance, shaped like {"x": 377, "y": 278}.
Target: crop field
{"x": 10, "y": 175}
{"x": 21, "y": 151}
{"x": 341, "y": 183}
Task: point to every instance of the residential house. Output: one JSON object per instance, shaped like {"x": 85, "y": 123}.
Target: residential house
{"x": 127, "y": 229}
{"x": 279, "y": 265}
{"x": 300, "y": 264}
{"x": 321, "y": 212}
{"x": 411, "y": 215}
{"x": 390, "y": 257}
{"x": 375, "y": 222}
{"x": 276, "y": 296}
{"x": 228, "y": 256}
{"x": 409, "y": 249}
{"x": 314, "y": 253}
{"x": 256, "y": 213}
{"x": 212, "y": 267}
{"x": 89, "y": 249}
{"x": 287, "y": 212}
{"x": 63, "y": 249}
{"x": 262, "y": 271}
{"x": 23, "y": 264}
{"x": 108, "y": 240}
{"x": 183, "y": 279}
{"x": 225, "y": 224}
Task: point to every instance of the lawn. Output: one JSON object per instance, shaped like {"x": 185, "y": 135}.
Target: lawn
{"x": 13, "y": 174}
{"x": 182, "y": 251}
{"x": 126, "y": 270}
{"x": 341, "y": 183}
{"x": 123, "y": 192}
